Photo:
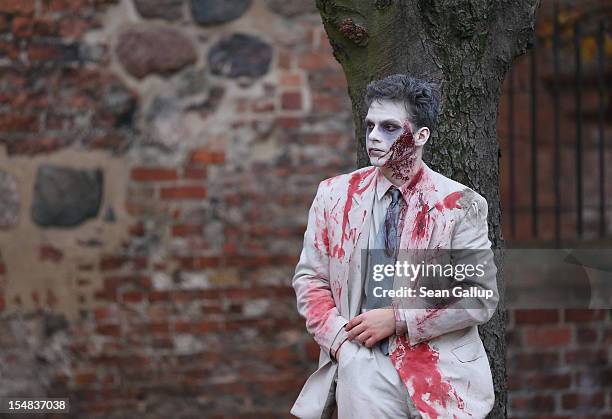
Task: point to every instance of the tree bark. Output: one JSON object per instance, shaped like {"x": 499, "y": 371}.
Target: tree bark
{"x": 466, "y": 47}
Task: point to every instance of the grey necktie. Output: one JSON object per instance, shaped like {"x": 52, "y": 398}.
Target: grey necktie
{"x": 384, "y": 252}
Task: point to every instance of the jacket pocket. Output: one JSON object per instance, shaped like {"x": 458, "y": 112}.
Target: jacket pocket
{"x": 469, "y": 351}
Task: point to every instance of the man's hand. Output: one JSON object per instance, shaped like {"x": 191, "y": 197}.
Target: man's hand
{"x": 372, "y": 326}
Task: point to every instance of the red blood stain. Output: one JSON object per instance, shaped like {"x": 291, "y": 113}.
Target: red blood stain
{"x": 353, "y": 188}
{"x": 420, "y": 223}
{"x": 402, "y": 155}
{"x": 319, "y": 306}
{"x": 325, "y": 236}
{"x": 415, "y": 179}
{"x": 430, "y": 314}
{"x": 418, "y": 366}
{"x": 449, "y": 202}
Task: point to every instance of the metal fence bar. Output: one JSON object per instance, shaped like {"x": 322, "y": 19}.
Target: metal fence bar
{"x": 534, "y": 138}
{"x": 578, "y": 97}
{"x": 601, "y": 148}
{"x": 556, "y": 108}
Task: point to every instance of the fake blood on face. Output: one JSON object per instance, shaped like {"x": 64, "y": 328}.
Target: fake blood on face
{"x": 402, "y": 155}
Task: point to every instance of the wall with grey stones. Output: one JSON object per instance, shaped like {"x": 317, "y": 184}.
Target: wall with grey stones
{"x": 157, "y": 161}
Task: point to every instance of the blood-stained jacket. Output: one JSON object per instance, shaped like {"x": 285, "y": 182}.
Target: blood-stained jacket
{"x": 441, "y": 358}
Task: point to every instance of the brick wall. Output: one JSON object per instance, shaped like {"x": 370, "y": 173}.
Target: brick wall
{"x": 155, "y": 181}
{"x": 559, "y": 363}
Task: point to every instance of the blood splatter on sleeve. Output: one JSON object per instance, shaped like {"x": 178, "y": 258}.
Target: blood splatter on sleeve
{"x": 311, "y": 281}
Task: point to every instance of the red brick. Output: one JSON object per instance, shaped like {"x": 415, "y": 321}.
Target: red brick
{"x": 583, "y": 401}
{"x": 51, "y": 299}
{"x": 43, "y": 27}
{"x": 192, "y": 172}
{"x": 10, "y": 50}
{"x": 182, "y": 230}
{"x": 205, "y": 156}
{"x": 534, "y": 361}
{"x": 183, "y": 192}
{"x": 323, "y": 103}
{"x": 108, "y": 330}
{"x": 577, "y": 315}
{"x": 288, "y": 122}
{"x": 63, "y": 5}
{"x": 137, "y": 230}
{"x": 593, "y": 357}
{"x": 44, "y": 52}
{"x": 133, "y": 296}
{"x": 291, "y": 79}
{"x": 587, "y": 335}
{"x": 533, "y": 403}
{"x": 18, "y": 123}
{"x": 112, "y": 262}
{"x": 153, "y": 174}
{"x": 291, "y": 101}
{"x": 548, "y": 381}
{"x": 549, "y": 336}
{"x": 48, "y": 252}
{"x": 334, "y": 80}
{"x": 284, "y": 59}
{"x": 73, "y": 27}
{"x": 159, "y": 328}
{"x": 22, "y": 27}
{"x": 536, "y": 316}
{"x": 84, "y": 378}
{"x": 316, "y": 61}
{"x": 155, "y": 296}
{"x": 22, "y": 7}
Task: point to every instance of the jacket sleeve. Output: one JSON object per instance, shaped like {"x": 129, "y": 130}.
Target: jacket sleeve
{"x": 311, "y": 281}
{"x": 471, "y": 232}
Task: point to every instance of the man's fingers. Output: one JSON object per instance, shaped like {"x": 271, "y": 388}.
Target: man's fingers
{"x": 353, "y": 322}
{"x": 356, "y": 331}
{"x": 363, "y": 337}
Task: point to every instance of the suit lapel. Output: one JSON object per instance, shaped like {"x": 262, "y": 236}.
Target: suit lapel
{"x": 357, "y": 234}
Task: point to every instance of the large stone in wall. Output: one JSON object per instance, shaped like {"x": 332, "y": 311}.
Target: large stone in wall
{"x": 212, "y": 12}
{"x": 162, "y": 9}
{"x": 240, "y": 55}
{"x": 291, "y": 8}
{"x": 9, "y": 201}
{"x": 143, "y": 51}
{"x": 65, "y": 197}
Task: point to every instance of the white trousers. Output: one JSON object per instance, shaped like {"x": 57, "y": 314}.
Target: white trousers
{"x": 368, "y": 386}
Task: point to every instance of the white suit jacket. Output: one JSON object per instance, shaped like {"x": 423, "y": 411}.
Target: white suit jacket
{"x": 441, "y": 359}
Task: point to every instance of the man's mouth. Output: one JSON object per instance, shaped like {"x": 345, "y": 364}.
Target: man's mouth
{"x": 375, "y": 152}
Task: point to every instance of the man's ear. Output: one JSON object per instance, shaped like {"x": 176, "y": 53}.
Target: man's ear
{"x": 421, "y": 136}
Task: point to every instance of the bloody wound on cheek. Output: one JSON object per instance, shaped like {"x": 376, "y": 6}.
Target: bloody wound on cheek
{"x": 402, "y": 154}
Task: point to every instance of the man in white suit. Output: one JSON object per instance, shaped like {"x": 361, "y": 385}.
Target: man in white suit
{"x": 380, "y": 358}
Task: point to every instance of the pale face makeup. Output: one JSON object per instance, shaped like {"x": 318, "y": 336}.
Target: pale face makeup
{"x": 384, "y": 125}
{"x": 390, "y": 139}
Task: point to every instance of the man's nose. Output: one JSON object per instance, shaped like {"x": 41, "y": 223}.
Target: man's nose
{"x": 373, "y": 135}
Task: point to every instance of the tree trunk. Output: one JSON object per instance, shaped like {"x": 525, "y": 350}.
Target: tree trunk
{"x": 466, "y": 47}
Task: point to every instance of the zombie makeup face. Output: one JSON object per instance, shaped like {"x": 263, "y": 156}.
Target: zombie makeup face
{"x": 390, "y": 141}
